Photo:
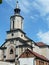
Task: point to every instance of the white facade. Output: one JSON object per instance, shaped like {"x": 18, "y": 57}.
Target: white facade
{"x": 16, "y": 22}
{"x": 1, "y": 54}
{"x": 45, "y": 52}
{"x": 27, "y": 61}
{"x": 41, "y": 50}
{"x": 36, "y": 48}
{"x": 6, "y": 63}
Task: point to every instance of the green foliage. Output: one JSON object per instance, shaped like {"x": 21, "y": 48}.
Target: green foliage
{"x": 0, "y": 1}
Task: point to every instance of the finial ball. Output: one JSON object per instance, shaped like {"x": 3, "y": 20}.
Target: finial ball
{"x": 17, "y": 1}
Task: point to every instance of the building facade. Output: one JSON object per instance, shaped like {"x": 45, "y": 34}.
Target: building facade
{"x": 17, "y": 42}
{"x": 29, "y": 57}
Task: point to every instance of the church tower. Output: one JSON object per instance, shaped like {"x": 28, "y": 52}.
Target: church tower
{"x": 16, "y": 24}
{"x": 16, "y": 41}
{"x": 18, "y": 45}
{"x": 17, "y": 19}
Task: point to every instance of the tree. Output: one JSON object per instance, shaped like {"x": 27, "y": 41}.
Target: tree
{"x": 0, "y": 1}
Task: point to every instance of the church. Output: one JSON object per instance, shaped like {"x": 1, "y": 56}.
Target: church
{"x": 18, "y": 48}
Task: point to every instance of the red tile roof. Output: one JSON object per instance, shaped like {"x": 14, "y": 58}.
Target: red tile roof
{"x": 35, "y": 54}
{"x": 41, "y": 44}
{"x": 38, "y": 55}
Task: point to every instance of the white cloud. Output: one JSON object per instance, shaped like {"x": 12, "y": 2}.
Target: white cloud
{"x": 47, "y": 19}
{"x": 44, "y": 37}
{"x": 32, "y": 17}
{"x": 11, "y": 2}
{"x": 35, "y": 17}
{"x": 24, "y": 4}
{"x": 42, "y": 6}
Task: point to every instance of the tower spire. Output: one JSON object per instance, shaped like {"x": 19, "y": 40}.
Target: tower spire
{"x": 17, "y": 6}
{"x": 17, "y": 9}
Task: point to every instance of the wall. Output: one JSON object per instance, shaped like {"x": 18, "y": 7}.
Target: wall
{"x": 26, "y": 61}
{"x": 41, "y": 62}
{"x": 8, "y": 55}
{"x": 45, "y": 52}
{"x": 6, "y": 63}
{"x": 36, "y": 49}
{"x": 1, "y": 54}
{"x": 18, "y": 22}
{"x": 16, "y": 34}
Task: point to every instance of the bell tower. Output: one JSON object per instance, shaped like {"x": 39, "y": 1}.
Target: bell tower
{"x": 16, "y": 41}
{"x": 16, "y": 24}
{"x": 16, "y": 21}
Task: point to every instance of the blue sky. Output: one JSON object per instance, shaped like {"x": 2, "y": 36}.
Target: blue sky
{"x": 36, "y": 18}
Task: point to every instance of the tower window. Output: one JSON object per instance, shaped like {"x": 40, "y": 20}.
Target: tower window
{"x": 13, "y": 24}
{"x": 12, "y": 34}
{"x": 11, "y": 51}
{"x": 4, "y": 56}
{"x": 21, "y": 35}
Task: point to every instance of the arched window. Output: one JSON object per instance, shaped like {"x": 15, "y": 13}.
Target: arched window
{"x": 11, "y": 51}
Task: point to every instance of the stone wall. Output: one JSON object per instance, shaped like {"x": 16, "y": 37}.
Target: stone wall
{"x": 6, "y": 63}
